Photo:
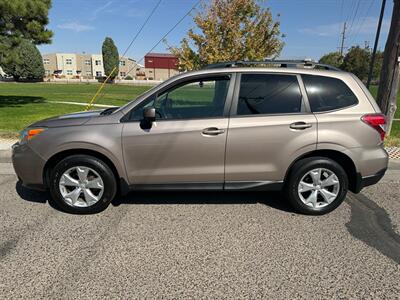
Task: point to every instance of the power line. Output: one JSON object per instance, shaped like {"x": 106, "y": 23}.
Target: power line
{"x": 143, "y": 25}
{"x": 165, "y": 35}
{"x": 130, "y": 44}
{"x": 353, "y": 36}
{"x": 355, "y": 15}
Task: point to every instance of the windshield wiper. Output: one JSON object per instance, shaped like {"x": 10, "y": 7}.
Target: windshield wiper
{"x": 108, "y": 111}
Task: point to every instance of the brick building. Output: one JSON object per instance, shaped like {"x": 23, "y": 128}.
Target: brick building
{"x": 160, "y": 66}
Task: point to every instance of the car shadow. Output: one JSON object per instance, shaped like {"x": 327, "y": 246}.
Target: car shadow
{"x": 16, "y": 101}
{"x": 272, "y": 199}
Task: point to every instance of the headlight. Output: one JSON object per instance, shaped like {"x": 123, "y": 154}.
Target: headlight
{"x": 29, "y": 133}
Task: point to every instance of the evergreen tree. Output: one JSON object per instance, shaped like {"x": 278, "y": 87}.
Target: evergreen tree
{"x": 27, "y": 62}
{"x": 110, "y": 58}
{"x": 22, "y": 20}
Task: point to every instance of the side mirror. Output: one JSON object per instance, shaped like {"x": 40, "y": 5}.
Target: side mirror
{"x": 149, "y": 114}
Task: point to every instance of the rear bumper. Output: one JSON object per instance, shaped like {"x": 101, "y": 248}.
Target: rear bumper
{"x": 28, "y": 166}
{"x": 362, "y": 182}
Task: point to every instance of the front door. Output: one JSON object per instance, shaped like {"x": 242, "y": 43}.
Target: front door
{"x": 269, "y": 128}
{"x": 186, "y": 143}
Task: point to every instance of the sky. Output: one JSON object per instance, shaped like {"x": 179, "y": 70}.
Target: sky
{"x": 311, "y": 27}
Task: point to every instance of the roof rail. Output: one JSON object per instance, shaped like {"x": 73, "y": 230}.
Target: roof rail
{"x": 278, "y": 63}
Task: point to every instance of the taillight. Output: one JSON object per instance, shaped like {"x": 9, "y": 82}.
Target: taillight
{"x": 376, "y": 121}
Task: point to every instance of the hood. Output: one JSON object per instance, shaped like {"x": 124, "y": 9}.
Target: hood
{"x": 73, "y": 119}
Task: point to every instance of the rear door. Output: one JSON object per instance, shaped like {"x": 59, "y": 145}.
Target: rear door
{"x": 270, "y": 126}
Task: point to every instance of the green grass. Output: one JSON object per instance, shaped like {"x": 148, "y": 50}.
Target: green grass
{"x": 394, "y": 139}
{"x": 24, "y": 103}
{"x": 111, "y": 94}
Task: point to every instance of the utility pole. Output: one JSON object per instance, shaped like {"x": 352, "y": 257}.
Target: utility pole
{"x": 390, "y": 73}
{"x": 378, "y": 31}
{"x": 343, "y": 38}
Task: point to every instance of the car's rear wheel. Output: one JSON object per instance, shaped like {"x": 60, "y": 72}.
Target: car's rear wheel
{"x": 316, "y": 185}
{"x": 82, "y": 184}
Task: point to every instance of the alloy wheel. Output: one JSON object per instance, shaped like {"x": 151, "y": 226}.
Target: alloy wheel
{"x": 81, "y": 186}
{"x": 318, "y": 188}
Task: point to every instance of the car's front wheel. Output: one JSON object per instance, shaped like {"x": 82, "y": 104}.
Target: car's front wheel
{"x": 82, "y": 184}
{"x": 316, "y": 185}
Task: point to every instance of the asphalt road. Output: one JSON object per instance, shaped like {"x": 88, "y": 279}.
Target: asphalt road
{"x": 200, "y": 245}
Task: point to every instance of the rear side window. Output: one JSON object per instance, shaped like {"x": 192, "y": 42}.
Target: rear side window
{"x": 326, "y": 93}
{"x": 269, "y": 94}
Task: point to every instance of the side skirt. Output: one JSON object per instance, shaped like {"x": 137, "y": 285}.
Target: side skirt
{"x": 228, "y": 186}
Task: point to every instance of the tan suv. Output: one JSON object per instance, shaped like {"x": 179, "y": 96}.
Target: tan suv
{"x": 314, "y": 132}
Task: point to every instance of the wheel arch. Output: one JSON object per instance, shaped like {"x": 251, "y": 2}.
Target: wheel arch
{"x": 57, "y": 157}
{"x": 342, "y": 159}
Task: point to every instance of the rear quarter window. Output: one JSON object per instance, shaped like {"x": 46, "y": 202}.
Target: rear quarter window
{"x": 326, "y": 93}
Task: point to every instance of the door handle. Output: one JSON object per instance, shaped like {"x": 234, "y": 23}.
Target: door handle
{"x": 300, "y": 125}
{"x": 212, "y": 131}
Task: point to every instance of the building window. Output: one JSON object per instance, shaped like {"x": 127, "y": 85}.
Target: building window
{"x": 122, "y": 63}
{"x": 99, "y": 74}
{"x": 98, "y": 63}
{"x": 46, "y": 61}
{"x": 47, "y": 72}
{"x": 68, "y": 61}
{"x": 122, "y": 74}
{"x": 69, "y": 72}
{"x": 88, "y": 73}
{"x": 87, "y": 62}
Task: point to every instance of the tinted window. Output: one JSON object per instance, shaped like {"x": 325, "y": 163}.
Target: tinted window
{"x": 202, "y": 98}
{"x": 269, "y": 94}
{"x": 325, "y": 93}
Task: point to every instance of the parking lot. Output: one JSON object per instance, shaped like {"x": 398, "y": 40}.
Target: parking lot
{"x": 200, "y": 245}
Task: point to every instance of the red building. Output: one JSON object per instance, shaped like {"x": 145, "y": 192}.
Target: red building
{"x": 160, "y": 66}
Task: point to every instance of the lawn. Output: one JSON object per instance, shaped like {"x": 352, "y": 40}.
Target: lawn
{"x": 24, "y": 103}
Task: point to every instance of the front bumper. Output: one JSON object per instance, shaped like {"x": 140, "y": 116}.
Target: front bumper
{"x": 362, "y": 182}
{"x": 28, "y": 166}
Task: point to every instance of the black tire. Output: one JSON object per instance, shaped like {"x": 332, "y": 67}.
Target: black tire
{"x": 106, "y": 174}
{"x": 301, "y": 168}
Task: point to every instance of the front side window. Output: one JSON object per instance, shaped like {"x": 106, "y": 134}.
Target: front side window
{"x": 87, "y": 62}
{"x": 98, "y": 62}
{"x": 195, "y": 99}
{"x": 327, "y": 93}
{"x": 269, "y": 94}
{"x": 68, "y": 61}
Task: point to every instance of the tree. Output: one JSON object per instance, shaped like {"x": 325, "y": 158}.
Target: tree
{"x": 229, "y": 30}
{"x": 110, "y": 58}
{"x": 356, "y": 62}
{"x": 22, "y": 20}
{"x": 333, "y": 59}
{"x": 376, "y": 71}
{"x": 27, "y": 62}
{"x": 390, "y": 74}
